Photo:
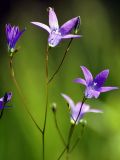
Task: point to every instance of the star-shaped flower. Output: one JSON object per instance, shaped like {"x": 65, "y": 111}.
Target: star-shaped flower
{"x": 13, "y": 34}
{"x": 6, "y": 98}
{"x": 94, "y": 86}
{"x": 56, "y": 34}
{"x": 75, "y": 109}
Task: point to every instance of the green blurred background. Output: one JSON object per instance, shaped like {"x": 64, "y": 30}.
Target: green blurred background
{"x": 98, "y": 49}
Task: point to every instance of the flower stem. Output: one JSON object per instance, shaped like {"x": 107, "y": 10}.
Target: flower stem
{"x": 72, "y": 129}
{"x": 60, "y": 65}
{"x": 69, "y": 139}
{"x": 78, "y": 139}
{"x": 1, "y": 114}
{"x": 59, "y": 132}
{"x": 20, "y": 92}
{"x": 75, "y": 144}
{"x": 61, "y": 153}
{"x": 83, "y": 101}
{"x": 46, "y": 107}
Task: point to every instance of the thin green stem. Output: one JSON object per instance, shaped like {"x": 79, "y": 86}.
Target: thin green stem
{"x": 75, "y": 144}
{"x": 46, "y": 79}
{"x": 83, "y": 101}
{"x": 1, "y": 114}
{"x": 46, "y": 107}
{"x": 60, "y": 65}
{"x": 58, "y": 129}
{"x": 78, "y": 139}
{"x": 69, "y": 139}
{"x": 20, "y": 92}
{"x": 61, "y": 154}
{"x": 43, "y": 142}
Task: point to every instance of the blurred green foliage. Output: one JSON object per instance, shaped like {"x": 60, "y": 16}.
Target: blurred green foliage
{"x": 98, "y": 49}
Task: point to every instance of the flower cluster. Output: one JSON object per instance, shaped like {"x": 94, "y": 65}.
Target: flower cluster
{"x": 93, "y": 86}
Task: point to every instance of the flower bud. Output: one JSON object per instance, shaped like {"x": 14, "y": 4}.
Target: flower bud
{"x": 54, "y": 107}
{"x": 83, "y": 122}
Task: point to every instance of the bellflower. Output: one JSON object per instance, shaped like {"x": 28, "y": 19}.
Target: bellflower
{"x": 13, "y": 34}
{"x": 75, "y": 109}
{"x": 56, "y": 34}
{"x": 6, "y": 98}
{"x": 94, "y": 86}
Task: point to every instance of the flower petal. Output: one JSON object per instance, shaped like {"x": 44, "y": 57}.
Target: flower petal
{"x": 76, "y": 114}
{"x": 96, "y": 94}
{"x": 6, "y": 98}
{"x": 71, "y": 36}
{"x": 91, "y": 93}
{"x": 80, "y": 80}
{"x": 101, "y": 78}
{"x": 87, "y": 74}
{"x": 106, "y": 89}
{"x": 17, "y": 37}
{"x": 53, "y": 21}
{"x": 67, "y": 27}
{"x": 69, "y": 100}
{"x": 95, "y": 111}
{"x": 54, "y": 39}
{"x": 9, "y": 96}
{"x": 85, "y": 107}
{"x": 7, "y": 31}
{"x": 1, "y": 103}
{"x": 41, "y": 25}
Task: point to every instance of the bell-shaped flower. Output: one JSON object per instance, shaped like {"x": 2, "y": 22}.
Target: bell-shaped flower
{"x": 94, "y": 86}
{"x": 5, "y": 99}
{"x": 77, "y": 113}
{"x": 56, "y": 33}
{"x": 12, "y": 34}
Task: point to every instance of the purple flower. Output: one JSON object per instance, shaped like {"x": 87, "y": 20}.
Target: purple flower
{"x": 6, "y": 98}
{"x": 94, "y": 86}
{"x": 56, "y": 34}
{"x": 13, "y": 34}
{"x": 75, "y": 109}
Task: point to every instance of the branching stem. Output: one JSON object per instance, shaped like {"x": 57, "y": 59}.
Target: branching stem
{"x": 46, "y": 107}
{"x": 20, "y": 92}
{"x": 60, "y": 65}
{"x": 58, "y": 129}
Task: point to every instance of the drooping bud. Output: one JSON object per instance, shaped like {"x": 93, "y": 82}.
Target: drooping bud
{"x": 83, "y": 122}
{"x": 54, "y": 107}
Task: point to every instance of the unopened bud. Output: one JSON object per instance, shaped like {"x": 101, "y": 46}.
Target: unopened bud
{"x": 54, "y": 107}
{"x": 83, "y": 122}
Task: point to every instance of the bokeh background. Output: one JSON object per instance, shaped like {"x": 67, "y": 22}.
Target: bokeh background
{"x": 98, "y": 49}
